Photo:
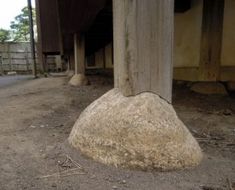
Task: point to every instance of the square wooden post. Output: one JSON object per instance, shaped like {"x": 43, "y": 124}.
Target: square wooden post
{"x": 79, "y": 53}
{"x": 143, "y": 46}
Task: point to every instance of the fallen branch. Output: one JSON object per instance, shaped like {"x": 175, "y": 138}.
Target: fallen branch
{"x": 74, "y": 162}
{"x": 66, "y": 172}
{"x": 63, "y": 174}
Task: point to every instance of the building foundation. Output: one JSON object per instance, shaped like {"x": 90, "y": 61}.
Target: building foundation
{"x": 134, "y": 125}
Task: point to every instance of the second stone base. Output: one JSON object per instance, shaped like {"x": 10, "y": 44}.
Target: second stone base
{"x": 142, "y": 131}
{"x": 78, "y": 80}
{"x": 69, "y": 73}
{"x": 209, "y": 88}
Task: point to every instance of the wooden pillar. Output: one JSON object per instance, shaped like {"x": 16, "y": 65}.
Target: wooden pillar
{"x": 100, "y": 59}
{"x": 32, "y": 42}
{"x": 71, "y": 61}
{"x": 40, "y": 55}
{"x": 143, "y": 46}
{"x": 79, "y": 53}
{"x": 60, "y": 35}
{"x": 109, "y": 56}
{"x": 211, "y": 40}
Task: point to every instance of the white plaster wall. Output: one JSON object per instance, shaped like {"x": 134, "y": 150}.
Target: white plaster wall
{"x": 228, "y": 45}
{"x": 188, "y": 36}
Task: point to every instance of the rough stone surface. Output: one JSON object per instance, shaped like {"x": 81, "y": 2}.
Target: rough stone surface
{"x": 135, "y": 132}
{"x": 209, "y": 88}
{"x": 78, "y": 80}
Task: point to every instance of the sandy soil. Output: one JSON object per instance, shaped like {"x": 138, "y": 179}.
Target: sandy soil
{"x": 36, "y": 117}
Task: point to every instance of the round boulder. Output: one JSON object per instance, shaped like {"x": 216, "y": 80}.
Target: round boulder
{"x": 69, "y": 73}
{"x": 209, "y": 88}
{"x": 78, "y": 80}
{"x": 140, "y": 131}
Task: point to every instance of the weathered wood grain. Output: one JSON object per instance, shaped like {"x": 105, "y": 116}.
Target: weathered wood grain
{"x": 143, "y": 46}
{"x": 79, "y": 53}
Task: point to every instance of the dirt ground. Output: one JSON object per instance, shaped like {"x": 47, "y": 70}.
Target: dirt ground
{"x": 36, "y": 117}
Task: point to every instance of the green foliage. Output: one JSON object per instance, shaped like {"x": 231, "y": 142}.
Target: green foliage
{"x": 4, "y": 35}
{"x": 20, "y": 26}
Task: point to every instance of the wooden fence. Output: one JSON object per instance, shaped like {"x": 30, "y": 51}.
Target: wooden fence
{"x": 15, "y": 57}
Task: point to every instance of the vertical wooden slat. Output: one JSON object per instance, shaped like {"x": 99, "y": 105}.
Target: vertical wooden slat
{"x": 1, "y": 66}
{"x": 32, "y": 42}
{"x": 9, "y": 56}
{"x": 39, "y": 36}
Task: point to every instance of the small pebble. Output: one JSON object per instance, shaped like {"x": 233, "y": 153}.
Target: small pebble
{"x": 93, "y": 177}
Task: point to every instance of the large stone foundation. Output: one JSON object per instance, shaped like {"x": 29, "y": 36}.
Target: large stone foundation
{"x": 78, "y": 80}
{"x": 69, "y": 73}
{"x": 212, "y": 88}
{"x": 141, "y": 131}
